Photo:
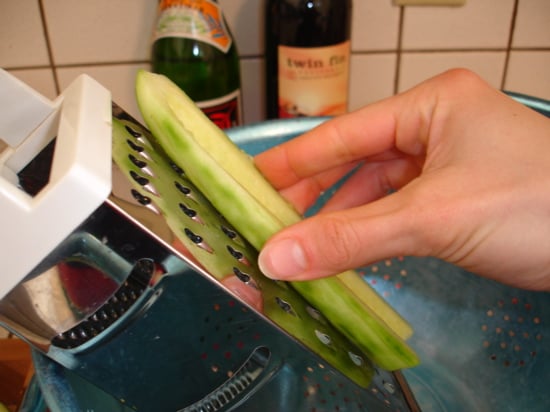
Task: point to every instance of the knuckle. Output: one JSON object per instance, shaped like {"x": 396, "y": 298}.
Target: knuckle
{"x": 431, "y": 228}
{"x": 339, "y": 242}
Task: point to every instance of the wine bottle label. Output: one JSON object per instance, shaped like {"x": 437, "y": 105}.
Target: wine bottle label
{"x": 225, "y": 111}
{"x": 194, "y": 19}
{"x": 313, "y": 81}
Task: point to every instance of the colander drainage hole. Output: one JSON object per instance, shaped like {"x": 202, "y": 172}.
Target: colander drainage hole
{"x": 511, "y": 332}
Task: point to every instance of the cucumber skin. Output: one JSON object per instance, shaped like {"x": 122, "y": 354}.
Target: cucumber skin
{"x": 260, "y": 218}
{"x": 163, "y": 105}
{"x": 355, "y": 285}
{"x": 380, "y": 343}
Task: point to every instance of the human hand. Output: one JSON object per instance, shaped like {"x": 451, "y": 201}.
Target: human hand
{"x": 471, "y": 172}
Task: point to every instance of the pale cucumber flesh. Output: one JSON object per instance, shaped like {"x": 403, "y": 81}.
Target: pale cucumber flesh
{"x": 228, "y": 178}
{"x": 267, "y": 212}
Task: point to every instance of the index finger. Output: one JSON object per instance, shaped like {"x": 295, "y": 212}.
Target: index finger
{"x": 396, "y": 122}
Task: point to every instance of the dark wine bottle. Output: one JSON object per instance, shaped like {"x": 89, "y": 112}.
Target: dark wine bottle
{"x": 307, "y": 46}
{"x": 193, "y": 46}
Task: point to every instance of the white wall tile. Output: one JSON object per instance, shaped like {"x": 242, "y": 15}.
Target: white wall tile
{"x": 417, "y": 67}
{"x": 119, "y": 79}
{"x": 245, "y": 19}
{"x": 372, "y": 78}
{"x": 532, "y": 24}
{"x": 22, "y": 41}
{"x": 528, "y": 73}
{"x": 375, "y": 25}
{"x": 100, "y": 30}
{"x": 477, "y": 24}
{"x": 93, "y": 35}
{"x": 41, "y": 80}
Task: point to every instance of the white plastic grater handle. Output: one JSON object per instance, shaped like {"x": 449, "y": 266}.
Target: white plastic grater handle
{"x": 80, "y": 176}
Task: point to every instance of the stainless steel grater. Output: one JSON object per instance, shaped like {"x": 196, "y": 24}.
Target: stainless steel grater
{"x": 96, "y": 281}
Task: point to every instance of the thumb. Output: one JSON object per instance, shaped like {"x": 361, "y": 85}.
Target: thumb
{"x": 330, "y": 243}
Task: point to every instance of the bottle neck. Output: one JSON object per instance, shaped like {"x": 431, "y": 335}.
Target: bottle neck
{"x": 200, "y": 20}
{"x": 308, "y": 23}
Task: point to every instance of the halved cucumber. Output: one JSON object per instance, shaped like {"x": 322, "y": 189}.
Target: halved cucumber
{"x": 229, "y": 179}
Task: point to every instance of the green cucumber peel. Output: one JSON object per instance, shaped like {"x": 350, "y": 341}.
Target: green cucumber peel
{"x": 347, "y": 314}
{"x": 266, "y": 211}
{"x": 228, "y": 178}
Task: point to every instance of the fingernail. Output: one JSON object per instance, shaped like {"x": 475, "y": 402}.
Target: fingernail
{"x": 283, "y": 259}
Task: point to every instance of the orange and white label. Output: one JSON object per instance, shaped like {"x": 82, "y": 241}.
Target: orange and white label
{"x": 313, "y": 81}
{"x": 195, "y": 19}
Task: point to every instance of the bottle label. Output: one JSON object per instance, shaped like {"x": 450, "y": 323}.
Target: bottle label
{"x": 313, "y": 81}
{"x": 225, "y": 111}
{"x": 194, "y": 19}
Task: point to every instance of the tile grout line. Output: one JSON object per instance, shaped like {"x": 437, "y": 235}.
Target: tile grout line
{"x": 509, "y": 45}
{"x": 399, "y": 50}
{"x": 255, "y": 57}
{"x": 49, "y": 46}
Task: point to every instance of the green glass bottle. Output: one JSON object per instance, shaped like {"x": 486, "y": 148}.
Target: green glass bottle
{"x": 193, "y": 46}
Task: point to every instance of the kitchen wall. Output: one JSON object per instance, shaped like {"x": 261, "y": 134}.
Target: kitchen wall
{"x": 47, "y": 43}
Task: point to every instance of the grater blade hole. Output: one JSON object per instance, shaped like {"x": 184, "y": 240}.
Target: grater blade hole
{"x": 197, "y": 240}
{"x": 286, "y": 306}
{"x": 141, "y": 199}
{"x": 358, "y": 360}
{"x": 193, "y": 236}
{"x": 122, "y": 300}
{"x": 236, "y": 385}
{"x": 245, "y": 278}
{"x": 238, "y": 255}
{"x": 143, "y": 181}
{"x": 323, "y": 337}
{"x": 176, "y": 168}
{"x": 139, "y": 163}
{"x": 188, "y": 211}
{"x": 231, "y": 234}
{"x": 235, "y": 253}
{"x": 135, "y": 147}
{"x": 132, "y": 132}
{"x": 183, "y": 189}
{"x": 314, "y": 313}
